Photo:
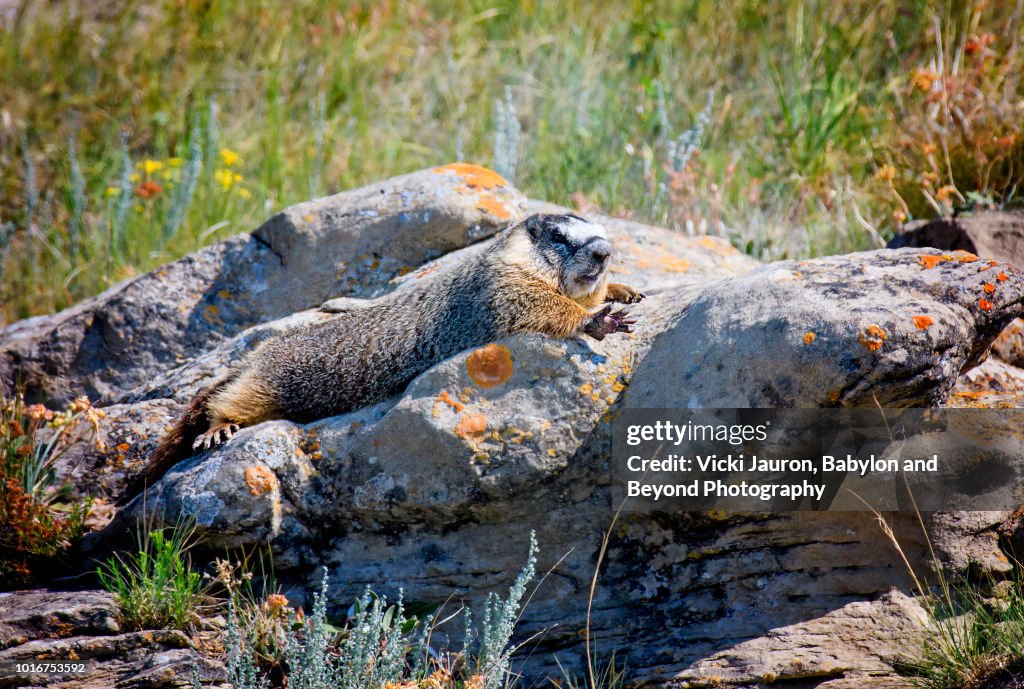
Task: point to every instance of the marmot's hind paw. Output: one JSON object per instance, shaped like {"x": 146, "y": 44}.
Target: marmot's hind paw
{"x": 623, "y": 294}
{"x": 606, "y": 322}
{"x": 213, "y": 437}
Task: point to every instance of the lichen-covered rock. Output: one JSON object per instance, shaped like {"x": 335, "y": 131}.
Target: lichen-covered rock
{"x": 890, "y": 328}
{"x": 351, "y": 243}
{"x": 993, "y": 235}
{"x": 436, "y": 490}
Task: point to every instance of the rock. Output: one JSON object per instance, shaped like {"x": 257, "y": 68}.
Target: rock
{"x": 80, "y": 627}
{"x": 998, "y": 236}
{"x": 347, "y": 244}
{"x": 1009, "y": 346}
{"x": 436, "y": 490}
{"x": 45, "y": 614}
{"x": 893, "y": 328}
{"x": 992, "y": 235}
{"x": 993, "y": 384}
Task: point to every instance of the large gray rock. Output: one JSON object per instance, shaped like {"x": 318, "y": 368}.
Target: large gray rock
{"x": 436, "y": 490}
{"x": 890, "y": 328}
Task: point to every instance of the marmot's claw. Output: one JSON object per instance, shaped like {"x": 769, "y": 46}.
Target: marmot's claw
{"x": 216, "y": 435}
{"x": 606, "y": 322}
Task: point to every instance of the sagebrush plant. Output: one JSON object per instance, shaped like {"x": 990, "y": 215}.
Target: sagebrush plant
{"x": 155, "y": 587}
{"x": 39, "y": 518}
{"x": 114, "y": 123}
{"x": 381, "y": 646}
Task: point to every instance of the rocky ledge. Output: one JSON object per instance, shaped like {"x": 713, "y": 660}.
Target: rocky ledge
{"x": 436, "y": 490}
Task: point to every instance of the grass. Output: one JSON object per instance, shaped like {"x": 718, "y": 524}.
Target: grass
{"x": 135, "y": 132}
{"x": 155, "y": 587}
{"x": 975, "y": 633}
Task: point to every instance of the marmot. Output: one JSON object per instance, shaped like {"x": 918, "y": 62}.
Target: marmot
{"x": 543, "y": 275}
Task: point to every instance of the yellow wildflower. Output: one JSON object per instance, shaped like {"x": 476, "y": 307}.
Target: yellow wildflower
{"x": 244, "y": 193}
{"x": 174, "y": 162}
{"x": 111, "y": 191}
{"x": 229, "y": 157}
{"x": 150, "y": 166}
{"x": 226, "y": 178}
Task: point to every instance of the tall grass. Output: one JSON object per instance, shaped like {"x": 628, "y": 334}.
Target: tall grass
{"x": 114, "y": 117}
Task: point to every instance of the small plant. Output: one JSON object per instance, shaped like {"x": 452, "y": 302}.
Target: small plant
{"x": 38, "y": 518}
{"x": 494, "y": 655}
{"x": 380, "y": 647}
{"x": 155, "y": 587}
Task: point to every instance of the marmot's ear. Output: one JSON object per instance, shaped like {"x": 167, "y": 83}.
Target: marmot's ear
{"x": 535, "y": 226}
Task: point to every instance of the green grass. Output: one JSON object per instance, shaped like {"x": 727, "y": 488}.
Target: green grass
{"x": 811, "y": 100}
{"x": 976, "y": 639}
{"x": 155, "y": 587}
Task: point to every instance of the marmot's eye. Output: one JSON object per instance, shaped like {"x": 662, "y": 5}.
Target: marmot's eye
{"x": 559, "y": 238}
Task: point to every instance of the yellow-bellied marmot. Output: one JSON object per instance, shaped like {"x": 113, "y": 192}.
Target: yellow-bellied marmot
{"x": 543, "y": 275}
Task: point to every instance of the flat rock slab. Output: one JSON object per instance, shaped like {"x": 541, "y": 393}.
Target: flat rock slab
{"x": 81, "y": 627}
{"x": 890, "y": 328}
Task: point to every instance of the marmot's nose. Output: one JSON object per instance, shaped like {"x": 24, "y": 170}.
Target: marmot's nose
{"x": 600, "y": 250}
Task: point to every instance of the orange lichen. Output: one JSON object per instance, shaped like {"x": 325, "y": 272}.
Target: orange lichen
{"x": 672, "y": 264}
{"x": 834, "y": 396}
{"x": 873, "y": 337}
{"x": 490, "y": 365}
{"x": 1002, "y": 277}
{"x": 984, "y": 305}
{"x": 474, "y": 177}
{"x": 494, "y": 206}
{"x": 966, "y": 257}
{"x": 260, "y": 480}
{"x": 930, "y": 261}
{"x": 445, "y": 398}
{"x": 809, "y": 338}
{"x": 426, "y": 271}
{"x": 973, "y": 395}
{"x": 471, "y": 425}
{"x": 718, "y": 246}
{"x": 922, "y": 322}
{"x": 989, "y": 288}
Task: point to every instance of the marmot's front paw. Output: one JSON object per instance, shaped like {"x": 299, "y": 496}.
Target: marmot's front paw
{"x": 218, "y": 434}
{"x": 623, "y": 294}
{"x": 606, "y": 322}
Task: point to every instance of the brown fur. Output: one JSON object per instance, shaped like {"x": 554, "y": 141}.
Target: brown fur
{"x": 532, "y": 278}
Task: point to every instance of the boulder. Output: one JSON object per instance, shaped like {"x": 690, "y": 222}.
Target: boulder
{"x": 894, "y": 328}
{"x": 436, "y": 490}
{"x": 998, "y": 235}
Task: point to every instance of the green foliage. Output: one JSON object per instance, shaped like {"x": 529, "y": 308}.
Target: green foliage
{"x": 380, "y": 646}
{"x": 39, "y": 518}
{"x": 155, "y": 587}
{"x": 976, "y": 636}
{"x": 493, "y": 657}
{"x": 112, "y": 123}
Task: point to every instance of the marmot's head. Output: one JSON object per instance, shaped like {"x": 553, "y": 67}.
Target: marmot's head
{"x": 573, "y": 252}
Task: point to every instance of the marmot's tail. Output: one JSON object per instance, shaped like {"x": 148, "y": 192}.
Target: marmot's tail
{"x": 175, "y": 446}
